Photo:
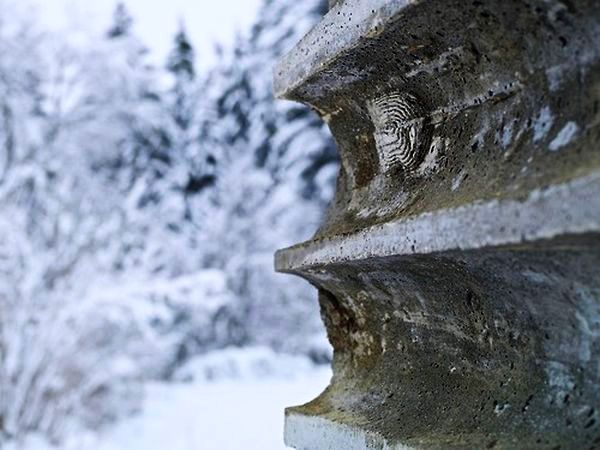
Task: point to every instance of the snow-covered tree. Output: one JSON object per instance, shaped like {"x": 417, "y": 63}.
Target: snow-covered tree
{"x": 275, "y": 168}
{"x": 185, "y": 113}
{"x": 57, "y": 219}
{"x": 71, "y": 117}
{"x": 122, "y": 22}
{"x": 181, "y": 61}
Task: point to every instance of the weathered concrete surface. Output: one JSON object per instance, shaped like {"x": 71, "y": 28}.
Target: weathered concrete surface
{"x": 459, "y": 265}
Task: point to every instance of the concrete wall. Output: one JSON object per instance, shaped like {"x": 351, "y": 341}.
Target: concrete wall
{"x": 458, "y": 267}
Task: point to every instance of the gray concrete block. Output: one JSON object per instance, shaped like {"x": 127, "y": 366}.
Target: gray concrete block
{"x": 459, "y": 265}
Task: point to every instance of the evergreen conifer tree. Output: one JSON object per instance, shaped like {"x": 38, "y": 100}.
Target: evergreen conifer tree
{"x": 181, "y": 59}
{"x": 122, "y": 22}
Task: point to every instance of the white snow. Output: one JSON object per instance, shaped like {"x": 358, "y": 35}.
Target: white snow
{"x": 543, "y": 124}
{"x": 564, "y": 136}
{"x": 242, "y": 411}
{"x": 507, "y": 136}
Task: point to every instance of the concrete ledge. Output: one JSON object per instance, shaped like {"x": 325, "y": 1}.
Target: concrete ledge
{"x": 313, "y": 433}
{"x": 345, "y": 24}
{"x": 570, "y": 208}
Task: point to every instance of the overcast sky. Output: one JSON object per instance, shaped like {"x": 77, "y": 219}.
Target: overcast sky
{"x": 207, "y": 21}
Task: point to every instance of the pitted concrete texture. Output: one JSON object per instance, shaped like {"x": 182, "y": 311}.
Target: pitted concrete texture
{"x": 505, "y": 96}
{"x": 459, "y": 265}
{"x": 464, "y": 349}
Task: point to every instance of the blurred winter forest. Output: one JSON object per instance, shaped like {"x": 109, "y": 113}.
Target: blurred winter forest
{"x": 141, "y": 207}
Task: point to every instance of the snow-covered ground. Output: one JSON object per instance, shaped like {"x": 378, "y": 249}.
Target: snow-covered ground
{"x": 240, "y": 409}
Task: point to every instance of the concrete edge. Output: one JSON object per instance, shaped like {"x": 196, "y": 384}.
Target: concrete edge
{"x": 314, "y": 433}
{"x": 569, "y": 208}
{"x": 341, "y": 29}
